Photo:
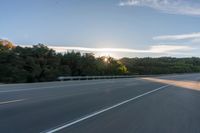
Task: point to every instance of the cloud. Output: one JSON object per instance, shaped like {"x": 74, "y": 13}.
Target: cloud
{"x": 169, "y": 48}
{"x": 196, "y": 40}
{"x": 64, "y": 49}
{"x": 191, "y": 36}
{"x": 152, "y": 49}
{"x": 184, "y": 7}
{"x": 129, "y": 3}
{"x": 4, "y": 38}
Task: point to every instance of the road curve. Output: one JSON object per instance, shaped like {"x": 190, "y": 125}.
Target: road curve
{"x": 165, "y": 104}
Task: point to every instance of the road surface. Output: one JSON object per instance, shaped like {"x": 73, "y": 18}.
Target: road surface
{"x": 166, "y": 104}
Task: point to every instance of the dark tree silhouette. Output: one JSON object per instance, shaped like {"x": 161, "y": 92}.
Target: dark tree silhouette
{"x": 39, "y": 63}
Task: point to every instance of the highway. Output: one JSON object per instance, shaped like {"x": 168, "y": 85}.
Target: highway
{"x": 159, "y": 104}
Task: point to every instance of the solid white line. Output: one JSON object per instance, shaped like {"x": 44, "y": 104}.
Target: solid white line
{"x": 12, "y": 101}
{"x": 102, "y": 111}
{"x": 70, "y": 81}
{"x": 48, "y": 87}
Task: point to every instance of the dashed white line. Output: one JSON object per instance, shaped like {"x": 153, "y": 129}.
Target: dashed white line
{"x": 12, "y": 101}
{"x": 101, "y": 111}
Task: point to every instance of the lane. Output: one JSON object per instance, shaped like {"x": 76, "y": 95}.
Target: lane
{"x": 63, "y": 102}
{"x": 50, "y": 85}
{"x": 171, "y": 110}
{"x": 61, "y": 89}
{"x": 176, "y": 114}
{"x": 48, "y": 108}
{"x": 102, "y": 111}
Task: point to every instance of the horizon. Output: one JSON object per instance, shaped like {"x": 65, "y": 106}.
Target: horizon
{"x": 101, "y": 52}
{"x": 118, "y": 28}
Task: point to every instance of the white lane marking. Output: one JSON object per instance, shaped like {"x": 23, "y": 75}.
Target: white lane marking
{"x": 39, "y": 88}
{"x": 70, "y": 81}
{"x": 102, "y": 111}
{"x": 68, "y": 85}
{"x": 12, "y": 101}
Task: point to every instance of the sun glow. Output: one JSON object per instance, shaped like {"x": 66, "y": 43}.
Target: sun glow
{"x": 106, "y": 59}
{"x": 194, "y": 85}
{"x": 105, "y": 54}
{"x": 115, "y": 52}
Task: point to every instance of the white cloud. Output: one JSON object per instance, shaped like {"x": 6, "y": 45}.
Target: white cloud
{"x": 4, "y": 38}
{"x": 169, "y": 48}
{"x": 196, "y": 40}
{"x": 152, "y": 49}
{"x": 191, "y": 36}
{"x": 185, "y": 7}
{"x": 128, "y": 3}
{"x": 64, "y": 49}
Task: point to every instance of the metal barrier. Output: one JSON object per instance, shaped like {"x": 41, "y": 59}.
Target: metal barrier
{"x": 62, "y": 78}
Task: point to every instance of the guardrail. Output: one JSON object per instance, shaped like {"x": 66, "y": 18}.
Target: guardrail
{"x": 62, "y": 78}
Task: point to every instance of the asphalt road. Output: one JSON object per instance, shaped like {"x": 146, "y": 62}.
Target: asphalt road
{"x": 166, "y": 104}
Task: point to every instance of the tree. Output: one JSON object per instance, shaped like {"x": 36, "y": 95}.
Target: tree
{"x": 39, "y": 63}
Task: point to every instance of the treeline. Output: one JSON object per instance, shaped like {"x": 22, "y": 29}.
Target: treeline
{"x": 39, "y": 63}
{"x": 163, "y": 65}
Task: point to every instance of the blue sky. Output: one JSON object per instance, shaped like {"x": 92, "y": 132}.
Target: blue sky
{"x": 114, "y": 27}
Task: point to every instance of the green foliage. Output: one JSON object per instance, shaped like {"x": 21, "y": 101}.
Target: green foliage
{"x": 164, "y": 65}
{"x": 39, "y": 63}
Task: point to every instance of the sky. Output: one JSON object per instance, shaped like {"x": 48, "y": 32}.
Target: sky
{"x": 118, "y": 28}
